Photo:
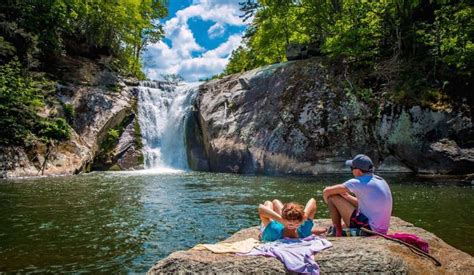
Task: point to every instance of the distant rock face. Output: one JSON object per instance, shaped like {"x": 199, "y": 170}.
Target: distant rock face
{"x": 96, "y": 110}
{"x": 347, "y": 255}
{"x": 296, "y": 117}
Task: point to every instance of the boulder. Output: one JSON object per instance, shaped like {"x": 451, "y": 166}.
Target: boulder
{"x": 347, "y": 255}
{"x": 299, "y": 118}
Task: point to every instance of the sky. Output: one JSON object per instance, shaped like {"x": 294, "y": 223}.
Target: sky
{"x": 200, "y": 35}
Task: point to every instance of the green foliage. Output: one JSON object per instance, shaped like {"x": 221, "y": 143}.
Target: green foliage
{"x": 357, "y": 33}
{"x": 242, "y": 59}
{"x": 449, "y": 37}
{"x": 53, "y": 129}
{"x": 33, "y": 34}
{"x": 111, "y": 139}
{"x": 21, "y": 97}
{"x": 54, "y": 27}
{"x": 138, "y": 136}
{"x": 412, "y": 48}
{"x": 69, "y": 113}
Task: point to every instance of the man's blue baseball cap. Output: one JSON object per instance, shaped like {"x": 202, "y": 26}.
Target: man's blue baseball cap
{"x": 361, "y": 162}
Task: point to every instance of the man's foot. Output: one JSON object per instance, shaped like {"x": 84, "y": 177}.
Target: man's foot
{"x": 333, "y": 232}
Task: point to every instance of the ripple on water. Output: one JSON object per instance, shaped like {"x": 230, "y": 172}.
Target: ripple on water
{"x": 124, "y": 222}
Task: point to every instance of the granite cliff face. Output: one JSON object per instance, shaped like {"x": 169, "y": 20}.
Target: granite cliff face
{"x": 100, "y": 100}
{"x": 347, "y": 255}
{"x": 297, "y": 117}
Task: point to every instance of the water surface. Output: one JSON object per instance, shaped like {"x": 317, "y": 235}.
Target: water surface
{"x": 124, "y": 222}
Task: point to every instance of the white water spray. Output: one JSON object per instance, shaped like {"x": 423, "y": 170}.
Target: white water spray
{"x": 162, "y": 111}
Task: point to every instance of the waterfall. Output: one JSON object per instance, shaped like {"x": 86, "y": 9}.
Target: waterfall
{"x": 162, "y": 110}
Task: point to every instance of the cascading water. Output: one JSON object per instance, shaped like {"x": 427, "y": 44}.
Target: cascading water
{"x": 162, "y": 110}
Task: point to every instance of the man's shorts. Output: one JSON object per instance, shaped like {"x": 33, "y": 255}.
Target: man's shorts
{"x": 359, "y": 220}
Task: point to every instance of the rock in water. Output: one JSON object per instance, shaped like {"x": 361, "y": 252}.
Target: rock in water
{"x": 348, "y": 255}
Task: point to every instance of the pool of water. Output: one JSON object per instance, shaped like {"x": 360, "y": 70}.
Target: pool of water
{"x": 125, "y": 222}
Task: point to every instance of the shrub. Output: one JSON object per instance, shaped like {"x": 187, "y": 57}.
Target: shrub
{"x": 21, "y": 96}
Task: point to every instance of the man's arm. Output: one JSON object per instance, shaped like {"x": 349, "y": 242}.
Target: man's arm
{"x": 353, "y": 200}
{"x": 337, "y": 189}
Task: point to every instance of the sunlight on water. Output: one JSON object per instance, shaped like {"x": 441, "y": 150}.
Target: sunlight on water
{"x": 152, "y": 171}
{"x": 123, "y": 222}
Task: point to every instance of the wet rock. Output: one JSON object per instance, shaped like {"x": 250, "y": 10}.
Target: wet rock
{"x": 197, "y": 159}
{"x": 348, "y": 255}
{"x": 297, "y": 118}
{"x": 129, "y": 81}
{"x": 126, "y": 154}
{"x": 391, "y": 164}
{"x": 452, "y": 158}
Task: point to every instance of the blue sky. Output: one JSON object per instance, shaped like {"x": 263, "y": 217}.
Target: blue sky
{"x": 199, "y": 37}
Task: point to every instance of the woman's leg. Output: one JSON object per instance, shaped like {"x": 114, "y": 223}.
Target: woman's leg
{"x": 310, "y": 209}
{"x": 277, "y": 206}
{"x": 265, "y": 220}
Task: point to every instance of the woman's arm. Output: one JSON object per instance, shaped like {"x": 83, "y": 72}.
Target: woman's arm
{"x": 268, "y": 213}
{"x": 310, "y": 209}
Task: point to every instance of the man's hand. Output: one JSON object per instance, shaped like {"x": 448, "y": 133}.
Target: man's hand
{"x": 325, "y": 195}
{"x": 333, "y": 190}
{"x": 345, "y": 195}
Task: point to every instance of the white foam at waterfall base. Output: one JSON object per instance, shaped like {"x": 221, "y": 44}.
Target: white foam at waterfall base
{"x": 161, "y": 113}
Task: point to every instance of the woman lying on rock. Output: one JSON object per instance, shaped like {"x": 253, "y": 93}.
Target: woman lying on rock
{"x": 286, "y": 220}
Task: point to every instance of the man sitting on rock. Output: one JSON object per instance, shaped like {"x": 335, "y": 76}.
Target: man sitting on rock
{"x": 371, "y": 207}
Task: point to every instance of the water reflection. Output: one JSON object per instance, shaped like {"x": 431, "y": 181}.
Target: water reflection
{"x": 124, "y": 222}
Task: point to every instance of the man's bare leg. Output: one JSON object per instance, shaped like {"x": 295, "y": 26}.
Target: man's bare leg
{"x": 340, "y": 208}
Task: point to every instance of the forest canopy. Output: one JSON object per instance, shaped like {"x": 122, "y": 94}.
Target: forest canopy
{"x": 35, "y": 33}
{"x": 419, "y": 50}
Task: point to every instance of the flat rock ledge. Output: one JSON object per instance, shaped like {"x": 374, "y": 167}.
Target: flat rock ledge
{"x": 348, "y": 255}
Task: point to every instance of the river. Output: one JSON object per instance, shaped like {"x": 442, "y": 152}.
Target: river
{"x": 125, "y": 221}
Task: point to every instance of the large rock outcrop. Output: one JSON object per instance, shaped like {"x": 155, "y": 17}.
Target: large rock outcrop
{"x": 100, "y": 100}
{"x": 298, "y": 117}
{"x": 347, "y": 255}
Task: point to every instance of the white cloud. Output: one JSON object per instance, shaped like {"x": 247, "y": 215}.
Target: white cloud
{"x": 216, "y": 30}
{"x": 225, "y": 48}
{"x": 223, "y": 14}
{"x": 160, "y": 58}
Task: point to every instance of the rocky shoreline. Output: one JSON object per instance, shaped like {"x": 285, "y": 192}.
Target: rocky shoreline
{"x": 348, "y": 255}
